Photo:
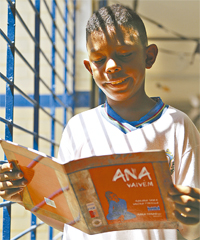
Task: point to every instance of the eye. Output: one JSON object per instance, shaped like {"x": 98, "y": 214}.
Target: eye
{"x": 99, "y": 61}
{"x": 127, "y": 54}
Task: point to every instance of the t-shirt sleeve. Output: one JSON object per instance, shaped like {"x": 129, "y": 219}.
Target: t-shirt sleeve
{"x": 189, "y": 149}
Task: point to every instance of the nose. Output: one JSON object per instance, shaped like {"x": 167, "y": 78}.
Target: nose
{"x": 112, "y": 66}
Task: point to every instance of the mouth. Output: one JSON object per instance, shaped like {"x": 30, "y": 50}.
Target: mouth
{"x": 115, "y": 82}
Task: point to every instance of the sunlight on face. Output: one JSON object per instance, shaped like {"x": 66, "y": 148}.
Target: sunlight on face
{"x": 117, "y": 62}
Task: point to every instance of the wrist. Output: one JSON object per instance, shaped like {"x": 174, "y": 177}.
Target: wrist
{"x": 190, "y": 232}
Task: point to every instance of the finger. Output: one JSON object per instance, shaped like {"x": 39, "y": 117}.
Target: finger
{"x": 11, "y": 194}
{"x": 186, "y": 201}
{"x": 6, "y": 167}
{"x": 178, "y": 190}
{"x": 10, "y": 176}
{"x": 185, "y": 220}
{"x": 12, "y": 184}
{"x": 187, "y": 211}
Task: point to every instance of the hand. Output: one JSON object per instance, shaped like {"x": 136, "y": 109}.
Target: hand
{"x": 186, "y": 203}
{"x": 11, "y": 183}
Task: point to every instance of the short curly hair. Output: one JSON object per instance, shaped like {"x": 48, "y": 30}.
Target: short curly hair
{"x": 116, "y": 15}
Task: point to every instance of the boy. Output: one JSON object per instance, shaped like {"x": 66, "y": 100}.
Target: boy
{"x": 129, "y": 121}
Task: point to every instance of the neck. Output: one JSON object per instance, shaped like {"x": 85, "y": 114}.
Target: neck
{"x": 133, "y": 109}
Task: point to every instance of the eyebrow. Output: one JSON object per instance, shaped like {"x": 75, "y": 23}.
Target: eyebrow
{"x": 118, "y": 48}
{"x": 96, "y": 50}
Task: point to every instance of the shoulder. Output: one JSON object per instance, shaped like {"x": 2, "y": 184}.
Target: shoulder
{"x": 183, "y": 125}
{"x": 179, "y": 117}
{"x": 79, "y": 124}
{"x": 89, "y": 115}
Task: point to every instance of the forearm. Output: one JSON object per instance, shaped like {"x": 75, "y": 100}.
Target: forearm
{"x": 190, "y": 232}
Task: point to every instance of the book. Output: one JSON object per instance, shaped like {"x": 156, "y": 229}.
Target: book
{"x": 100, "y": 193}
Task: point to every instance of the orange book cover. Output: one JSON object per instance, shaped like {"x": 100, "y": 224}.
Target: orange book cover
{"x": 99, "y": 193}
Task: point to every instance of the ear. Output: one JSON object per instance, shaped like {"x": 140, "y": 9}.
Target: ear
{"x": 151, "y": 54}
{"x": 87, "y": 65}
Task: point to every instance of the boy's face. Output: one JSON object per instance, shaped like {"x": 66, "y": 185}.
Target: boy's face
{"x": 117, "y": 61}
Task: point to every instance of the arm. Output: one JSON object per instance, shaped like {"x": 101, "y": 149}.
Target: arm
{"x": 12, "y": 184}
{"x": 186, "y": 202}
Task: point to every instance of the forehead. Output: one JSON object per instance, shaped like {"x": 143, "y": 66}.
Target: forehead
{"x": 112, "y": 36}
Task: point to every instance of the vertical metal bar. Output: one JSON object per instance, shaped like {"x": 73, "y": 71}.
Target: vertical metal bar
{"x": 65, "y": 61}
{"x": 53, "y": 103}
{"x": 37, "y": 69}
{"x": 33, "y": 222}
{"x": 102, "y": 97}
{"x": 74, "y": 55}
{"x": 53, "y": 52}
{"x": 36, "y": 94}
{"x": 9, "y": 104}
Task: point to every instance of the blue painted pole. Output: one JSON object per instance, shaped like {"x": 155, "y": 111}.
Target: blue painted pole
{"x": 74, "y": 55}
{"x": 37, "y": 74}
{"x": 65, "y": 61}
{"x": 53, "y": 87}
{"x": 36, "y": 94}
{"x": 9, "y": 104}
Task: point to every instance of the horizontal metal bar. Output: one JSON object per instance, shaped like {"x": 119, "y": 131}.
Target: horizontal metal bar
{"x": 31, "y": 100}
{"x": 48, "y": 35}
{"x": 25, "y": 26}
{"x": 55, "y": 96}
{"x": 59, "y": 56}
{"x": 3, "y": 161}
{"x": 3, "y": 120}
{"x": 47, "y": 87}
{"x": 5, "y": 78}
{"x": 59, "y": 11}
{"x": 59, "y": 235}
{"x": 10, "y": 3}
{"x": 33, "y": 7}
{"x": 10, "y": 122}
{"x": 6, "y": 203}
{"x": 5, "y": 37}
{"x": 27, "y": 131}
{"x": 63, "y": 39}
{"x": 70, "y": 14}
{"x": 11, "y": 44}
{"x": 69, "y": 52}
{"x": 66, "y": 6}
{"x": 24, "y": 59}
{"x": 27, "y": 231}
{"x": 82, "y": 99}
{"x": 47, "y": 7}
{"x": 59, "y": 77}
{"x": 19, "y": 90}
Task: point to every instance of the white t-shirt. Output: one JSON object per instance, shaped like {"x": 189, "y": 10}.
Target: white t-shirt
{"x": 100, "y": 131}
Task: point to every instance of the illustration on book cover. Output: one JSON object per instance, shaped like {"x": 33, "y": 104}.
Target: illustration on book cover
{"x": 129, "y": 193}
